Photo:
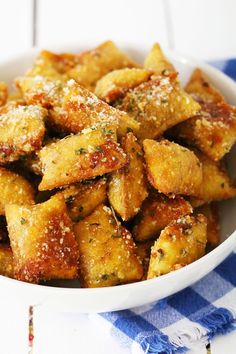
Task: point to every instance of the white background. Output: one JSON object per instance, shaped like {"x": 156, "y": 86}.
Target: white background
{"x": 200, "y": 28}
{"x": 204, "y": 29}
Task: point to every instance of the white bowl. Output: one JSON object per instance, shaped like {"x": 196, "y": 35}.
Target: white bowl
{"x": 140, "y": 293}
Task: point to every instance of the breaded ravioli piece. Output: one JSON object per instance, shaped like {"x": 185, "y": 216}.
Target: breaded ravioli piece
{"x": 158, "y": 104}
{"x": 171, "y": 168}
{"x": 95, "y": 63}
{"x": 21, "y": 132}
{"x": 82, "y": 198}
{"x": 157, "y": 62}
{"x": 80, "y": 157}
{"x": 180, "y": 243}
{"x": 40, "y": 90}
{"x": 128, "y": 186}
{"x": 200, "y": 85}
{"x": 213, "y": 129}
{"x": 15, "y": 189}
{"x": 42, "y": 240}
{"x": 116, "y": 83}
{"x": 156, "y": 213}
{"x": 80, "y": 109}
{"x": 6, "y": 261}
{"x": 107, "y": 251}
{"x": 53, "y": 65}
{"x": 216, "y": 182}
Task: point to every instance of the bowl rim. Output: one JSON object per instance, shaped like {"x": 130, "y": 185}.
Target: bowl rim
{"x": 229, "y": 242}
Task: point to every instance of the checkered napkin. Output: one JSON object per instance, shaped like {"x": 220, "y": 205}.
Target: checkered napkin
{"x": 188, "y": 319}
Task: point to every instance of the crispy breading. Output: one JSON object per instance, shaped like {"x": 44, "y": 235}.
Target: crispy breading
{"x": 80, "y": 157}
{"x": 107, "y": 251}
{"x": 157, "y": 62}
{"x": 3, "y": 93}
{"x": 116, "y": 83}
{"x": 158, "y": 104}
{"x": 95, "y": 63}
{"x": 86, "y": 68}
{"x": 156, "y": 213}
{"x": 180, "y": 243}
{"x": 171, "y": 168}
{"x": 80, "y": 109}
{"x": 40, "y": 90}
{"x": 10, "y": 105}
{"x": 32, "y": 162}
{"x": 216, "y": 183}
{"x": 52, "y": 65}
{"x": 6, "y": 261}
{"x": 127, "y": 124}
{"x": 81, "y": 199}
{"x": 21, "y": 132}
{"x": 42, "y": 241}
{"x": 128, "y": 186}
{"x": 72, "y": 108}
{"x": 200, "y": 85}
{"x": 213, "y": 224}
{"x": 15, "y": 189}
{"x": 213, "y": 129}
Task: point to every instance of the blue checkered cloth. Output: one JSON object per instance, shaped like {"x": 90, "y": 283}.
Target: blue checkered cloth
{"x": 188, "y": 319}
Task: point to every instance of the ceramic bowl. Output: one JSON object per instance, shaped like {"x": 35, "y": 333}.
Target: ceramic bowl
{"x": 66, "y": 296}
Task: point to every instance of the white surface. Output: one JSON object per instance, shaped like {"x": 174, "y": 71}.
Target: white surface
{"x": 13, "y": 327}
{"x": 205, "y": 29}
{"x": 200, "y": 28}
{"x": 136, "y": 294}
{"x": 15, "y": 26}
{"x": 224, "y": 344}
{"x": 91, "y": 20}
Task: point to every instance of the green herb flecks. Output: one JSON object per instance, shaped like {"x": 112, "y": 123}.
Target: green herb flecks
{"x": 80, "y": 151}
{"x": 129, "y": 130}
{"x": 108, "y": 131}
{"x": 97, "y": 149}
{"x": 139, "y": 154}
{"x": 22, "y": 221}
